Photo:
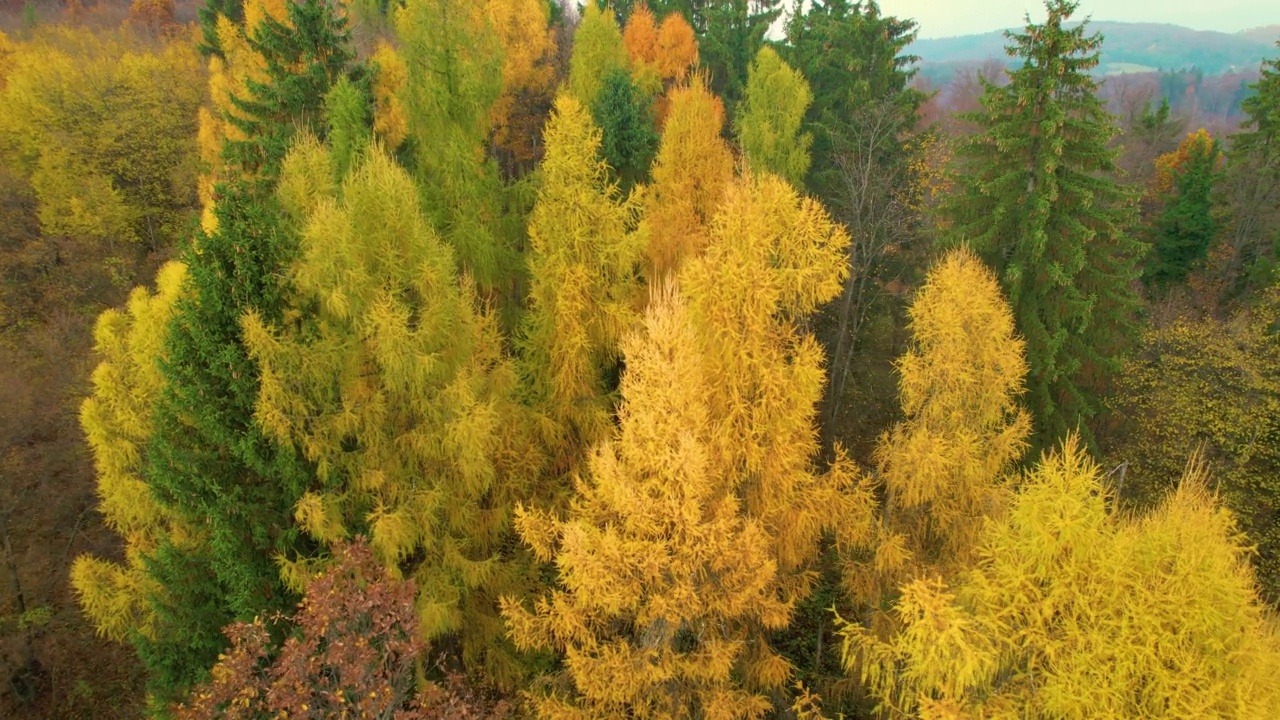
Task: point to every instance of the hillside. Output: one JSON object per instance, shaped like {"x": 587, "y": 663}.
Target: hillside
{"x": 1129, "y": 47}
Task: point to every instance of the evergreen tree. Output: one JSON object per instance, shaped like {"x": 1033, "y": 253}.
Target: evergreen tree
{"x": 208, "y": 460}
{"x": 769, "y": 124}
{"x": 1037, "y": 202}
{"x": 208, "y": 14}
{"x": 624, "y": 114}
{"x": 1185, "y": 226}
{"x": 1253, "y": 183}
{"x": 731, "y": 34}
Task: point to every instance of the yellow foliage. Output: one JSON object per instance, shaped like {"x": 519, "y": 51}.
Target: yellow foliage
{"x": 388, "y": 115}
{"x": 663, "y": 577}
{"x": 394, "y": 386}
{"x": 944, "y": 468}
{"x": 1170, "y": 164}
{"x": 641, "y": 36}
{"x": 677, "y": 51}
{"x": 597, "y": 50}
{"x": 257, "y": 11}
{"x": 117, "y": 423}
{"x": 1075, "y": 611}
{"x": 528, "y": 73}
{"x": 768, "y": 124}
{"x": 102, "y": 127}
{"x": 693, "y": 166}
{"x": 582, "y": 261}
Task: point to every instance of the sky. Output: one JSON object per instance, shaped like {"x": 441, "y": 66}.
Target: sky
{"x": 946, "y": 18}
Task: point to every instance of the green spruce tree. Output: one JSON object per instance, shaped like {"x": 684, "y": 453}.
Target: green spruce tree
{"x": 625, "y": 116}
{"x": 730, "y": 33}
{"x": 1252, "y": 187}
{"x": 1036, "y": 200}
{"x": 1186, "y": 226}
{"x": 208, "y": 460}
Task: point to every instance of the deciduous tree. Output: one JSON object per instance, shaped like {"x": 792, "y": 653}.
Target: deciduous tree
{"x": 768, "y": 126}
{"x": 1075, "y": 610}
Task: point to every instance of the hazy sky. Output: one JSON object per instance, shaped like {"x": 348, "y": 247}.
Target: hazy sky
{"x": 943, "y": 18}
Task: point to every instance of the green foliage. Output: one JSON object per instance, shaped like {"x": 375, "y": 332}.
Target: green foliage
{"x": 629, "y": 140}
{"x": 305, "y": 53}
{"x": 768, "y": 125}
{"x": 1035, "y": 200}
{"x": 1186, "y": 226}
{"x": 730, "y": 34}
{"x": 348, "y": 108}
{"x": 1252, "y": 185}
{"x": 853, "y": 58}
{"x": 208, "y": 14}
{"x": 454, "y": 76}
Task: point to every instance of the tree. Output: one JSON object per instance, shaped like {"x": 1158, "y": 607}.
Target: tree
{"x": 1185, "y": 226}
{"x": 583, "y": 258}
{"x": 1037, "y": 203}
{"x": 598, "y": 50}
{"x": 454, "y": 78}
{"x": 623, "y": 111}
{"x": 118, "y": 423}
{"x": 693, "y": 167}
{"x": 772, "y": 259}
{"x": 208, "y": 459}
{"x": 769, "y": 124}
{"x": 945, "y": 469}
{"x": 1253, "y": 182}
{"x": 1212, "y": 386}
{"x": 528, "y": 75}
{"x": 731, "y": 34}
{"x": 863, "y": 111}
{"x": 355, "y": 652}
{"x": 393, "y": 382}
{"x": 1070, "y": 608}
{"x": 660, "y": 574}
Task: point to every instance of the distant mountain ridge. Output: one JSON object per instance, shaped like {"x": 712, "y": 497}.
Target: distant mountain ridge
{"x": 1129, "y": 47}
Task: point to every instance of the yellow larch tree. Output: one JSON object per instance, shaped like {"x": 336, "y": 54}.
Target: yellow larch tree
{"x": 640, "y": 36}
{"x": 390, "y": 75}
{"x": 773, "y": 258}
{"x": 583, "y": 264}
{"x": 598, "y": 50}
{"x": 391, "y": 378}
{"x": 662, "y": 55}
{"x": 661, "y": 576}
{"x": 947, "y": 466}
{"x": 677, "y": 51}
{"x": 117, "y": 423}
{"x": 1073, "y": 610}
{"x": 528, "y": 74}
{"x": 693, "y": 167}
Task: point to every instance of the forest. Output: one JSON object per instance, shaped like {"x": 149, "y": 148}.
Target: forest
{"x": 504, "y": 359}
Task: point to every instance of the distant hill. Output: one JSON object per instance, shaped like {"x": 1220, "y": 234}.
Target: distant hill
{"x": 1128, "y": 47}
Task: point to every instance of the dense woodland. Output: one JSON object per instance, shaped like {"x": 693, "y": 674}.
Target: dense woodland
{"x": 512, "y": 358}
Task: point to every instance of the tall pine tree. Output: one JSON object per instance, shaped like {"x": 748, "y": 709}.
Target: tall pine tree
{"x": 208, "y": 460}
{"x": 1037, "y": 202}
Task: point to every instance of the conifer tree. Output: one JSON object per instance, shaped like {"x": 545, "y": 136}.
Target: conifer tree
{"x": 393, "y": 382}
{"x": 528, "y": 75}
{"x": 732, "y": 33}
{"x": 768, "y": 126}
{"x": 1185, "y": 226}
{"x": 597, "y": 51}
{"x": 661, "y": 576}
{"x": 209, "y": 460}
{"x": 1037, "y": 204}
{"x": 946, "y": 467}
{"x": 624, "y": 113}
{"x": 454, "y": 62}
{"x": 583, "y": 262}
{"x": 773, "y": 258}
{"x": 692, "y": 169}
{"x": 1253, "y": 182}
{"x": 118, "y": 423}
{"x": 1073, "y": 610}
